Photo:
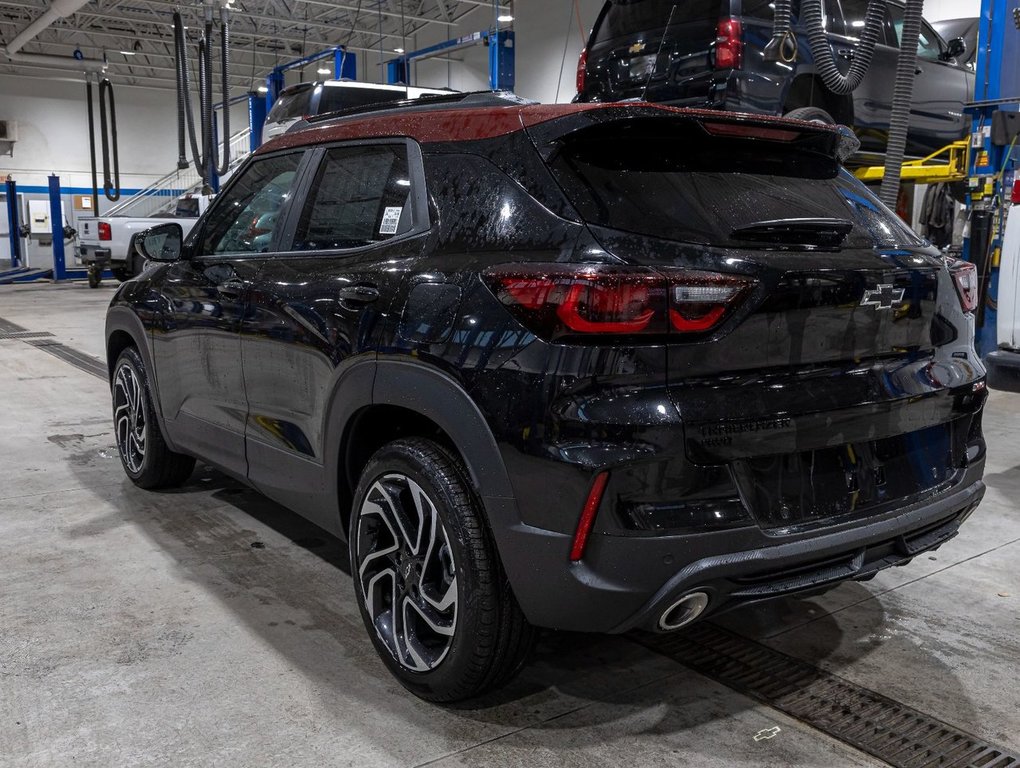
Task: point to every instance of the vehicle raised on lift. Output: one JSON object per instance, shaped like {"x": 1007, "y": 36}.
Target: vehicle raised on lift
{"x": 587, "y": 367}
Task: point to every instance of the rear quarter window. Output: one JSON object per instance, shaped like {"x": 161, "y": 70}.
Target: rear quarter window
{"x": 291, "y": 104}
{"x": 336, "y": 98}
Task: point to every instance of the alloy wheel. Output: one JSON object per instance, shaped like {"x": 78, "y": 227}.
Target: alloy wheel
{"x": 406, "y": 572}
{"x": 129, "y": 417}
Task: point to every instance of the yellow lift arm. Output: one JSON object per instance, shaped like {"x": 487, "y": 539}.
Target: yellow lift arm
{"x": 927, "y": 170}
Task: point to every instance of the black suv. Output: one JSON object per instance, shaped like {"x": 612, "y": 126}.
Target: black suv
{"x": 587, "y": 367}
{"x": 709, "y": 53}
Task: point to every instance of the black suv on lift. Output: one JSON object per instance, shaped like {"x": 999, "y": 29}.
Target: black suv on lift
{"x": 709, "y": 53}
{"x": 583, "y": 367}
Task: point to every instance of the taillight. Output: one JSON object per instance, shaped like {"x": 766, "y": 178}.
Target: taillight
{"x": 559, "y": 300}
{"x": 965, "y": 277}
{"x": 729, "y": 49}
{"x": 1015, "y": 198}
{"x": 582, "y": 66}
{"x": 105, "y": 233}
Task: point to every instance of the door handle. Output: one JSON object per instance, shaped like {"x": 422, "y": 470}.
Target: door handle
{"x": 232, "y": 288}
{"x": 361, "y": 293}
{"x": 845, "y": 53}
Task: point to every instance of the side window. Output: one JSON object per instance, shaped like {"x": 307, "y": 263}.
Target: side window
{"x": 360, "y": 196}
{"x": 854, "y": 15}
{"x": 927, "y": 41}
{"x": 244, "y": 218}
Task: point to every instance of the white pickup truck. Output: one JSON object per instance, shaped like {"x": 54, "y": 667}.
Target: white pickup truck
{"x": 109, "y": 242}
{"x": 1004, "y": 363}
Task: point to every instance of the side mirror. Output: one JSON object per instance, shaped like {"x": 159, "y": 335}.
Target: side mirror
{"x": 161, "y": 243}
{"x": 956, "y": 48}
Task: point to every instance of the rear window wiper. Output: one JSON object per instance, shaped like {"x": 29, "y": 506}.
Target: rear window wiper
{"x": 822, "y": 233}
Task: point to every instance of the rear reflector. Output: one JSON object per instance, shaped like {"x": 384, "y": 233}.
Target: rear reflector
{"x": 578, "y": 300}
{"x": 582, "y": 64}
{"x": 591, "y": 507}
{"x": 965, "y": 277}
{"x": 105, "y": 233}
{"x": 751, "y": 131}
{"x": 729, "y": 49}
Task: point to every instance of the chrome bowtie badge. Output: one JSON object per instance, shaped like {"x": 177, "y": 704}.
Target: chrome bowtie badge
{"x": 883, "y": 296}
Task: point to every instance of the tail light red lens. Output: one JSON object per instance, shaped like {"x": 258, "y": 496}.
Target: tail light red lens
{"x": 965, "y": 277}
{"x": 1015, "y": 198}
{"x": 729, "y": 47}
{"x": 582, "y": 66}
{"x": 105, "y": 233}
{"x": 559, "y": 300}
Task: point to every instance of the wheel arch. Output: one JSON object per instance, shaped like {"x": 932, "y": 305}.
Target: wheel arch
{"x": 124, "y": 329}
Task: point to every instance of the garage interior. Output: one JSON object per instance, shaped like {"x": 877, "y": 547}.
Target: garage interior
{"x": 209, "y": 625}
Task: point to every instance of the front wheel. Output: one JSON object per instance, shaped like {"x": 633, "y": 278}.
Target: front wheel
{"x": 144, "y": 454}
{"x": 429, "y": 582}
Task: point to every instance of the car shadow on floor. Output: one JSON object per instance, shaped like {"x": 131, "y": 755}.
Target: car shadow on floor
{"x": 288, "y": 581}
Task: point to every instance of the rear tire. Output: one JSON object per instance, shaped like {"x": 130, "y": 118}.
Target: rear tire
{"x": 811, "y": 115}
{"x": 144, "y": 454}
{"x": 432, "y": 592}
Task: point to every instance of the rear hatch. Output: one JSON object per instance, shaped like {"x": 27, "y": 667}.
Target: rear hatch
{"x": 663, "y": 46}
{"x": 819, "y": 336}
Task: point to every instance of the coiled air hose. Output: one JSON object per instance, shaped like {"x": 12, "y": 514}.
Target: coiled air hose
{"x": 184, "y": 93}
{"x": 225, "y": 61}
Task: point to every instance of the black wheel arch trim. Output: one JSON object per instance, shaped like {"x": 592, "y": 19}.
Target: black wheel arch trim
{"x": 122, "y": 319}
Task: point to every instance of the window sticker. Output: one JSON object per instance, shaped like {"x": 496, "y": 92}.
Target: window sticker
{"x": 390, "y": 219}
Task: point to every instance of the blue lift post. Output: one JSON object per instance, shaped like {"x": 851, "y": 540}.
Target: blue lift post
{"x": 345, "y": 67}
{"x": 997, "y": 87}
{"x": 57, "y": 228}
{"x": 501, "y": 57}
{"x": 256, "y": 118}
{"x": 15, "y": 223}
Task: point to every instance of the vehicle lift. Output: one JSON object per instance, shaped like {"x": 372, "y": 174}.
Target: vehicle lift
{"x": 994, "y": 147}
{"x": 501, "y": 57}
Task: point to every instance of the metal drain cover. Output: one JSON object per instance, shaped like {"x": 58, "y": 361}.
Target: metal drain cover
{"x": 869, "y": 721}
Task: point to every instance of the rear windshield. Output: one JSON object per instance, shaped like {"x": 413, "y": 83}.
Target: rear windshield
{"x": 291, "y": 103}
{"x": 336, "y": 98}
{"x": 668, "y": 178}
{"x": 623, "y": 18}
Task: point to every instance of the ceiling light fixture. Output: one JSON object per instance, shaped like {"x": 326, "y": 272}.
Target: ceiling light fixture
{"x": 263, "y": 89}
{"x": 128, "y": 53}
{"x": 505, "y": 18}
{"x": 324, "y": 71}
{"x": 398, "y": 50}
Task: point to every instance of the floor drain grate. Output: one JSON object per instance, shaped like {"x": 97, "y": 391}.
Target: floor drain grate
{"x": 78, "y": 359}
{"x": 24, "y": 334}
{"x": 869, "y": 721}
{"x": 6, "y": 326}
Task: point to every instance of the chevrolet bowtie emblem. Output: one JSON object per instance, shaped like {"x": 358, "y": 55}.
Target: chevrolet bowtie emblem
{"x": 882, "y": 296}
{"x": 637, "y": 48}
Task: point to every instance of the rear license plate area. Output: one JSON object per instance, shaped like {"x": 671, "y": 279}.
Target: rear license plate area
{"x": 797, "y": 490}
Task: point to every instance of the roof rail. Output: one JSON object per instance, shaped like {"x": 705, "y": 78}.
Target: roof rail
{"x": 421, "y": 104}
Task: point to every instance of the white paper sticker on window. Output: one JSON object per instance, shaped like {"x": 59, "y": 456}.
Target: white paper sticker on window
{"x": 390, "y": 219}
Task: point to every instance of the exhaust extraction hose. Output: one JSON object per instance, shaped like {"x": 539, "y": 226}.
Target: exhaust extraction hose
{"x": 225, "y": 64}
{"x": 205, "y": 97}
{"x": 184, "y": 92}
{"x": 874, "y": 19}
{"x": 108, "y": 136}
{"x": 903, "y": 89}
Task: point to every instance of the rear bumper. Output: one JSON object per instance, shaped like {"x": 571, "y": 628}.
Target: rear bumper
{"x": 1003, "y": 370}
{"x": 101, "y": 257}
{"x": 626, "y": 582}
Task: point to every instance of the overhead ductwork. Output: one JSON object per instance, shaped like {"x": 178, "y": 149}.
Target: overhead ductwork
{"x": 59, "y": 9}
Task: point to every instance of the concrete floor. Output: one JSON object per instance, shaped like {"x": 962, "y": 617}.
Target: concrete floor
{"x": 211, "y": 627}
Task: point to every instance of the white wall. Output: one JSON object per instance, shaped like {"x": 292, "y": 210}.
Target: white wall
{"x": 937, "y": 10}
{"x": 52, "y": 119}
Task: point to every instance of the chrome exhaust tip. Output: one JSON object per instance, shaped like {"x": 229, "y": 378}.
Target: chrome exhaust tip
{"x": 683, "y": 611}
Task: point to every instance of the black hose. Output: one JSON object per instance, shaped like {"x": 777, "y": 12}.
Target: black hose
{"x": 825, "y": 64}
{"x": 108, "y": 135}
{"x": 205, "y": 101}
{"x": 182, "y": 150}
{"x": 783, "y": 45}
{"x": 184, "y": 89}
{"x": 92, "y": 146}
{"x": 225, "y": 63}
{"x": 903, "y": 89}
